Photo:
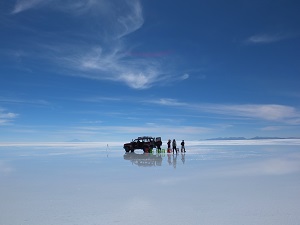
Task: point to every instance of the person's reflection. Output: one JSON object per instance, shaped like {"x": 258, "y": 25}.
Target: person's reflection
{"x": 169, "y": 159}
{"x": 159, "y": 159}
{"x": 150, "y": 159}
{"x": 183, "y": 157}
{"x": 174, "y": 160}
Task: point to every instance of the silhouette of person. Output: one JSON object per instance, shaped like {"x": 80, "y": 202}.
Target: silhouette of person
{"x": 159, "y": 143}
{"x": 174, "y": 146}
{"x": 182, "y": 146}
{"x": 169, "y": 146}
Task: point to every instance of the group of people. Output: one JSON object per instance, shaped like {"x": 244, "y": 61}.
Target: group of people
{"x": 174, "y": 146}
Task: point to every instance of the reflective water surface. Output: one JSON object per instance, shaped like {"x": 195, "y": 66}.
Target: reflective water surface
{"x": 209, "y": 184}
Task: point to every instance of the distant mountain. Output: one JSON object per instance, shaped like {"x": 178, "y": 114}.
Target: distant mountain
{"x": 228, "y": 138}
{"x": 259, "y": 138}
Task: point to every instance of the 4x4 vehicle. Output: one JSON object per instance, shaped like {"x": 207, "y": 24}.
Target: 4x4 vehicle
{"x": 144, "y": 143}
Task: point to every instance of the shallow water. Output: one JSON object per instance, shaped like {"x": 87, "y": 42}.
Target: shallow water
{"x": 99, "y": 184}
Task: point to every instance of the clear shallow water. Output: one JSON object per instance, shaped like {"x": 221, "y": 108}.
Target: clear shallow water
{"x": 97, "y": 184}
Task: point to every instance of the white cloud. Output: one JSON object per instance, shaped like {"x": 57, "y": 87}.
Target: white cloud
{"x": 81, "y": 6}
{"x": 137, "y": 81}
{"x": 6, "y": 117}
{"x": 132, "y": 21}
{"x": 71, "y": 6}
{"x": 270, "y": 112}
{"x": 121, "y": 17}
{"x": 23, "y": 5}
{"x": 99, "y": 99}
{"x": 102, "y": 64}
{"x": 267, "y": 38}
{"x": 105, "y": 58}
{"x": 168, "y": 102}
{"x": 22, "y": 101}
{"x": 185, "y": 76}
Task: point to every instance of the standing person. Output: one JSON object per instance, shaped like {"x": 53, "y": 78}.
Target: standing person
{"x": 158, "y": 145}
{"x": 174, "y": 146}
{"x": 169, "y": 146}
{"x": 182, "y": 146}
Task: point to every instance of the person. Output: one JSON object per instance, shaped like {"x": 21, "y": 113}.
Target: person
{"x": 169, "y": 146}
{"x": 159, "y": 143}
{"x": 174, "y": 146}
{"x": 182, "y": 146}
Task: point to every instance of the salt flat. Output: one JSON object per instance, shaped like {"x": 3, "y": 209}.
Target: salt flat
{"x": 214, "y": 182}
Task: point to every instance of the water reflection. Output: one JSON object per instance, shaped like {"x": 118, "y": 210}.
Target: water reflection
{"x": 226, "y": 185}
{"x": 153, "y": 159}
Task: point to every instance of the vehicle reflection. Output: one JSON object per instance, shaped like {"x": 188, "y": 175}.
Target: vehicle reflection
{"x": 144, "y": 160}
{"x": 152, "y": 159}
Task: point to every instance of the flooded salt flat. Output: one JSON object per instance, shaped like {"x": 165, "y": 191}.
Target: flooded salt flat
{"x": 101, "y": 184}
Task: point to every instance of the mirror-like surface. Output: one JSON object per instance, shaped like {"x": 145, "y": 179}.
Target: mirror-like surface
{"x": 209, "y": 184}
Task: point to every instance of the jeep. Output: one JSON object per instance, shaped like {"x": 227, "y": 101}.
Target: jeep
{"x": 145, "y": 143}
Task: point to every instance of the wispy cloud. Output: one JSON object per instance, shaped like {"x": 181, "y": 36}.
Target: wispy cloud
{"x": 24, "y": 101}
{"x": 168, "y": 102}
{"x": 133, "y": 20}
{"x": 73, "y": 6}
{"x": 107, "y": 58}
{"x": 266, "y": 112}
{"x": 110, "y": 61}
{"x": 101, "y": 65}
{"x": 81, "y": 6}
{"x": 23, "y": 5}
{"x": 269, "y": 112}
{"x": 267, "y": 38}
{"x": 99, "y": 99}
{"x": 185, "y": 76}
{"x": 6, "y": 117}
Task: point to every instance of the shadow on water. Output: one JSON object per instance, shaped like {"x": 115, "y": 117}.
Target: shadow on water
{"x": 152, "y": 159}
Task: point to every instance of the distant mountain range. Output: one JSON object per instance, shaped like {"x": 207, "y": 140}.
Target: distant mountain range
{"x": 254, "y": 138}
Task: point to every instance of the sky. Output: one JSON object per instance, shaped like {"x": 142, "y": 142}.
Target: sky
{"x": 112, "y": 70}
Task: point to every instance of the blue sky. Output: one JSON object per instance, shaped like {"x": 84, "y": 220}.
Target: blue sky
{"x": 111, "y": 70}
